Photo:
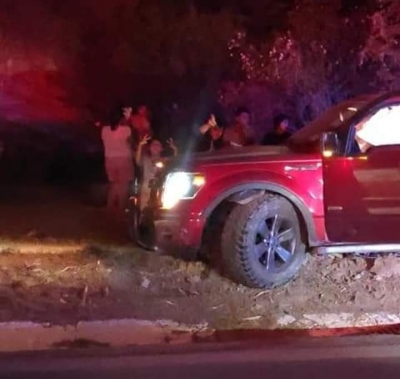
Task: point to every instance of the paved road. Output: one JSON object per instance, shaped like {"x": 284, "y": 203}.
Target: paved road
{"x": 359, "y": 357}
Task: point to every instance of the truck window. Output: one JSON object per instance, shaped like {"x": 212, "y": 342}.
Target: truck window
{"x": 379, "y": 129}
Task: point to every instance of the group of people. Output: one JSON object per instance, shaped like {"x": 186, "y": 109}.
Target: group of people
{"x": 130, "y": 148}
{"x": 241, "y": 133}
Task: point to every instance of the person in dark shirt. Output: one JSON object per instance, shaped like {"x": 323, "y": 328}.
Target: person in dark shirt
{"x": 280, "y": 133}
{"x": 214, "y": 134}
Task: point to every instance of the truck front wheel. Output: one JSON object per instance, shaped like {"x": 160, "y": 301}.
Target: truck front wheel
{"x": 261, "y": 243}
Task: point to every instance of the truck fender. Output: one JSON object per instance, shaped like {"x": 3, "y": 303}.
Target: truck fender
{"x": 244, "y": 193}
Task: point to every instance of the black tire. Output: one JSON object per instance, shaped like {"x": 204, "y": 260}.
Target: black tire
{"x": 132, "y": 223}
{"x": 247, "y": 233}
{"x": 141, "y": 229}
{"x": 210, "y": 251}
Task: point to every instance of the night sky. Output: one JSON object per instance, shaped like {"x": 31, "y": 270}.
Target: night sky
{"x": 254, "y": 12}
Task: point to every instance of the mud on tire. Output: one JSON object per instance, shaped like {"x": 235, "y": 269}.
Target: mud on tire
{"x": 261, "y": 243}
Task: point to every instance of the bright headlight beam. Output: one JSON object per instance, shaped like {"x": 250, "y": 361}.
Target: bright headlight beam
{"x": 178, "y": 186}
{"x": 180, "y": 183}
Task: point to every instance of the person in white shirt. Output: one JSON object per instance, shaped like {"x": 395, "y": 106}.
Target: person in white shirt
{"x": 118, "y": 162}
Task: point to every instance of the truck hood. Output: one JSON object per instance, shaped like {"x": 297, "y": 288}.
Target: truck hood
{"x": 251, "y": 154}
{"x": 244, "y": 153}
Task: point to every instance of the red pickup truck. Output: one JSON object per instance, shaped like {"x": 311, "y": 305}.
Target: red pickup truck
{"x": 335, "y": 188}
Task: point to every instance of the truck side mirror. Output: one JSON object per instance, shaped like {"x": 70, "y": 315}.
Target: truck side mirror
{"x": 329, "y": 144}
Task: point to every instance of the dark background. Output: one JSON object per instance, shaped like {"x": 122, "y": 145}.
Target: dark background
{"x": 65, "y": 65}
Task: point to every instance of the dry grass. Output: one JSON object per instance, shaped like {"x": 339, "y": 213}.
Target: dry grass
{"x": 74, "y": 263}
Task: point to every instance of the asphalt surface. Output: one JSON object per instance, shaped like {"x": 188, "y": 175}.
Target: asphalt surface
{"x": 344, "y": 357}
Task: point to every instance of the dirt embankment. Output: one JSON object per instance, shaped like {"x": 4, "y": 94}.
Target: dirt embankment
{"x": 99, "y": 284}
{"x": 104, "y": 277}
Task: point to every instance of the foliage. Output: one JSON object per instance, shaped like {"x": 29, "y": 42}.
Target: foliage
{"x": 264, "y": 102}
{"x": 150, "y": 50}
{"x": 118, "y": 51}
{"x": 382, "y": 47}
{"x": 104, "y": 53}
{"x": 315, "y": 62}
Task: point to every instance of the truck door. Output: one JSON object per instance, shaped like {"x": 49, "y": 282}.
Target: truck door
{"x": 362, "y": 190}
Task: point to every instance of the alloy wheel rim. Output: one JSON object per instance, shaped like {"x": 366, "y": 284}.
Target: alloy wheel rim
{"x": 275, "y": 243}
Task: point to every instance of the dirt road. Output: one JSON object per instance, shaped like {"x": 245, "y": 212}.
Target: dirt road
{"x": 367, "y": 357}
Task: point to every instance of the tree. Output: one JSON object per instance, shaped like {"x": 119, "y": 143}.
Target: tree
{"x": 315, "y": 62}
{"x": 105, "y": 53}
{"x": 31, "y": 59}
{"x": 150, "y": 51}
{"x": 382, "y": 47}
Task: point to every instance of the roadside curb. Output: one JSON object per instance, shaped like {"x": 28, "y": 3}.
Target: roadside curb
{"x": 30, "y": 336}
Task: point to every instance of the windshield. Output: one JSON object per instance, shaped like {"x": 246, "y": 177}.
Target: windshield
{"x": 331, "y": 119}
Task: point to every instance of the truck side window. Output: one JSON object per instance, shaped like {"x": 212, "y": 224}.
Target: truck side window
{"x": 379, "y": 129}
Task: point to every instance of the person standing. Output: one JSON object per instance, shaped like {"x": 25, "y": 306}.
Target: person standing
{"x": 118, "y": 162}
{"x": 127, "y": 120}
{"x": 240, "y": 133}
{"x": 214, "y": 134}
{"x": 280, "y": 133}
{"x": 141, "y": 122}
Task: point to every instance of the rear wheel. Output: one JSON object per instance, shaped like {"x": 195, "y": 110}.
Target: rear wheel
{"x": 261, "y": 243}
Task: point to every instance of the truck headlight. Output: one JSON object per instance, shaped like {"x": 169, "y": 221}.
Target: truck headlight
{"x": 179, "y": 186}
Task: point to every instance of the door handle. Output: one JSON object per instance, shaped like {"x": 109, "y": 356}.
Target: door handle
{"x": 335, "y": 208}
